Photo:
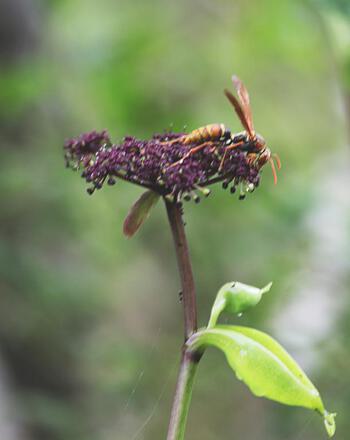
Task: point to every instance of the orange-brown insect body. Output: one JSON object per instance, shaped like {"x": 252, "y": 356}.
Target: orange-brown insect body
{"x": 211, "y": 132}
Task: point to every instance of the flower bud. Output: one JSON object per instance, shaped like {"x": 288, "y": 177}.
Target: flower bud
{"x": 236, "y": 298}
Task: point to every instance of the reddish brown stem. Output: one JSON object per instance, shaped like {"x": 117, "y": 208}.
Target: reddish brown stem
{"x": 174, "y": 211}
{"x": 189, "y": 361}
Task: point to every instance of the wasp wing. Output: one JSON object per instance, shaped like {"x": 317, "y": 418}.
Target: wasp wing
{"x": 243, "y": 95}
{"x": 240, "y": 112}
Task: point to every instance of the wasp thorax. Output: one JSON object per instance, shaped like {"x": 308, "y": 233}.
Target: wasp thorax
{"x": 240, "y": 137}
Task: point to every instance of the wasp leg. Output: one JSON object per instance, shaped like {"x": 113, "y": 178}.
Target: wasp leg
{"x": 190, "y": 152}
{"x": 232, "y": 146}
{"x": 173, "y": 141}
{"x": 229, "y": 147}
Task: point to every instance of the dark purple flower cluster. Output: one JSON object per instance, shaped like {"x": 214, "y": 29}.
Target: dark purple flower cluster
{"x": 161, "y": 164}
{"x": 83, "y": 147}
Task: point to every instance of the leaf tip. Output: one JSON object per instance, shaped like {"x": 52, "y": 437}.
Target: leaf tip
{"x": 128, "y": 233}
{"x": 329, "y": 423}
{"x": 131, "y": 225}
{"x": 266, "y": 288}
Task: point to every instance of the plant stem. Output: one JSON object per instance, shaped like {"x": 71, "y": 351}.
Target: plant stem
{"x": 183, "y": 394}
{"x": 189, "y": 360}
{"x": 174, "y": 211}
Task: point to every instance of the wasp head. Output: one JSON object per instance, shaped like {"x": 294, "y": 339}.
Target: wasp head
{"x": 265, "y": 156}
{"x": 259, "y": 154}
{"x": 259, "y": 142}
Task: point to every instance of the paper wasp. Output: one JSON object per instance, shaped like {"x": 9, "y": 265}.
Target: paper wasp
{"x": 258, "y": 153}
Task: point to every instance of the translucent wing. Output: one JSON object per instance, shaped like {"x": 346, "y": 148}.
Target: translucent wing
{"x": 240, "y": 112}
{"x": 243, "y": 95}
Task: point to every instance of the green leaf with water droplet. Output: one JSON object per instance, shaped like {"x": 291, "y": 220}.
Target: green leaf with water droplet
{"x": 139, "y": 212}
{"x": 235, "y": 298}
{"x": 329, "y": 422}
{"x": 264, "y": 366}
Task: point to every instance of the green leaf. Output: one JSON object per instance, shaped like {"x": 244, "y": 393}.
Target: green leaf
{"x": 235, "y": 297}
{"x": 139, "y": 212}
{"x": 264, "y": 366}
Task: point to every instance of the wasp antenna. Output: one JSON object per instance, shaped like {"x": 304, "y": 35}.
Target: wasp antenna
{"x": 278, "y": 160}
{"x": 273, "y": 171}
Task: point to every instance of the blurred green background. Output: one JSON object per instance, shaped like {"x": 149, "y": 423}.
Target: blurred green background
{"x": 90, "y": 323}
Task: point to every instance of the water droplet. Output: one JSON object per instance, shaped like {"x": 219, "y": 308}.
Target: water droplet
{"x": 329, "y": 423}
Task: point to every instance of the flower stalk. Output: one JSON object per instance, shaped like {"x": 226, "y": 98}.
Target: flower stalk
{"x": 189, "y": 360}
{"x": 174, "y": 212}
{"x": 183, "y": 394}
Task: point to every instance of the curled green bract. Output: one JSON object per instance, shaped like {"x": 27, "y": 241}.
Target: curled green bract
{"x": 264, "y": 366}
{"x": 236, "y": 298}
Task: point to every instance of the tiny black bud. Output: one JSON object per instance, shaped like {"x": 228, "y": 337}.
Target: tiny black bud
{"x": 241, "y": 196}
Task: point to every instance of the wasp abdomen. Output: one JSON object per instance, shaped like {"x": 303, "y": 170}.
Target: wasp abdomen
{"x": 209, "y": 132}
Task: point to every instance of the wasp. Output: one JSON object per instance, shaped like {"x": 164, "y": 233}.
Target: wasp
{"x": 258, "y": 153}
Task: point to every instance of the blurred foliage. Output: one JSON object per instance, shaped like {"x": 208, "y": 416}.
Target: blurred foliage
{"x": 91, "y": 323}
